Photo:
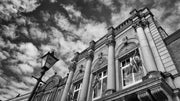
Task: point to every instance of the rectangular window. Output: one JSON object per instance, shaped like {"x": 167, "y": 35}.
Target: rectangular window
{"x": 131, "y": 69}
{"x": 100, "y": 84}
{"x": 76, "y": 92}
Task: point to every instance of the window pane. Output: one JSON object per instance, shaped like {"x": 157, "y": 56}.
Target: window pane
{"x": 123, "y": 63}
{"x": 100, "y": 74}
{"x": 76, "y": 95}
{"x": 104, "y": 73}
{"x": 97, "y": 90}
{"x": 138, "y": 74}
{"x": 76, "y": 91}
{"x": 104, "y": 85}
{"x": 127, "y": 76}
{"x": 127, "y": 61}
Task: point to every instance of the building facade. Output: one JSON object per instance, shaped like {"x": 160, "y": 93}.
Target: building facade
{"x": 135, "y": 61}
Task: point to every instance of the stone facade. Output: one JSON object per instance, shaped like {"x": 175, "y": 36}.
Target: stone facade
{"x": 135, "y": 61}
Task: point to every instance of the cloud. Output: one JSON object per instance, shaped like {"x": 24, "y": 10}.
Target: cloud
{"x": 26, "y": 69}
{"x": 74, "y": 14}
{"x": 9, "y": 31}
{"x": 29, "y": 49}
{"x": 122, "y": 15}
{"x": 31, "y": 28}
{"x": 2, "y": 56}
{"x": 37, "y": 34}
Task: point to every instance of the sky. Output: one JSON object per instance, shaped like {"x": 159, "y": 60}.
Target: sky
{"x": 31, "y": 28}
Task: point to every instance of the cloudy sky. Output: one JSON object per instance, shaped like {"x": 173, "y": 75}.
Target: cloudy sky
{"x": 30, "y": 28}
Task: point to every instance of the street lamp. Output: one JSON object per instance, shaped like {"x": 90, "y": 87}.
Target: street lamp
{"x": 49, "y": 61}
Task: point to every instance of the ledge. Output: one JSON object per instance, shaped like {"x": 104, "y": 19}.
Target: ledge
{"x": 151, "y": 83}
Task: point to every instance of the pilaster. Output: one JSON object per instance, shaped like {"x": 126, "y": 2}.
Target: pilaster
{"x": 86, "y": 78}
{"x": 147, "y": 54}
{"x": 111, "y": 78}
{"x": 72, "y": 69}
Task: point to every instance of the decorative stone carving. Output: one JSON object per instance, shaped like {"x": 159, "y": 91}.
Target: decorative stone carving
{"x": 80, "y": 72}
{"x": 72, "y": 66}
{"x": 111, "y": 37}
{"x": 125, "y": 41}
{"x": 76, "y": 56}
{"x": 111, "y": 30}
{"x": 141, "y": 23}
{"x": 153, "y": 74}
{"x": 81, "y": 69}
{"x": 100, "y": 62}
{"x": 100, "y": 57}
{"x": 92, "y": 45}
{"x": 111, "y": 41}
{"x": 90, "y": 54}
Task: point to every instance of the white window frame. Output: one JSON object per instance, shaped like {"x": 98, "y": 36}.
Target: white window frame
{"x": 133, "y": 74}
{"x": 101, "y": 80}
{"x": 75, "y": 90}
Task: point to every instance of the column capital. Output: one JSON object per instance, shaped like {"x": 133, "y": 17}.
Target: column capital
{"x": 72, "y": 66}
{"x": 111, "y": 36}
{"x": 92, "y": 45}
{"x": 110, "y": 41}
{"x": 90, "y": 54}
{"x": 75, "y": 58}
{"x": 141, "y": 23}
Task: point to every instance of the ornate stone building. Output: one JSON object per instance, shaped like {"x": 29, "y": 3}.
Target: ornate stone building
{"x": 135, "y": 61}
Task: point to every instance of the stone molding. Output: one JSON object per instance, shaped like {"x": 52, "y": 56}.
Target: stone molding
{"x": 142, "y": 88}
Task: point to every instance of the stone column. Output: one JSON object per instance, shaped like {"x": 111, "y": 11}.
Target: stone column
{"x": 111, "y": 78}
{"x": 147, "y": 55}
{"x": 72, "y": 69}
{"x": 86, "y": 78}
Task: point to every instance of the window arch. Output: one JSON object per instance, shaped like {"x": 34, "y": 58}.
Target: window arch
{"x": 99, "y": 73}
{"x": 130, "y": 63}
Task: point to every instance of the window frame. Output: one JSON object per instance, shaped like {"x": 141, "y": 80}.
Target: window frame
{"x": 128, "y": 55}
{"x": 103, "y": 77}
{"x": 75, "y": 90}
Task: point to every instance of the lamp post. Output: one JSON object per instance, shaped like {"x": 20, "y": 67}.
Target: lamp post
{"x": 49, "y": 61}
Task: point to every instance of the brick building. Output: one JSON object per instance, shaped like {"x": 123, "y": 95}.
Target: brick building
{"x": 135, "y": 61}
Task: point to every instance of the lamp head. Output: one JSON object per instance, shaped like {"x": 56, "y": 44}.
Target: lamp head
{"x": 49, "y": 60}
